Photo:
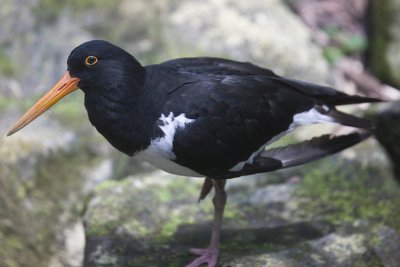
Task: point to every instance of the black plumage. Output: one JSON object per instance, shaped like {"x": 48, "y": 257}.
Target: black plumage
{"x": 237, "y": 107}
{"x": 201, "y": 116}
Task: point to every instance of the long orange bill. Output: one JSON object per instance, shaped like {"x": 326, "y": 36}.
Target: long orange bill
{"x": 63, "y": 87}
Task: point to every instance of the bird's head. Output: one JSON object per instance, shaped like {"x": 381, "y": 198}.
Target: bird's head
{"x": 93, "y": 65}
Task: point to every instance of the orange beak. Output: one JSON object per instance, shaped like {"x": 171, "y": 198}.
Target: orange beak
{"x": 63, "y": 87}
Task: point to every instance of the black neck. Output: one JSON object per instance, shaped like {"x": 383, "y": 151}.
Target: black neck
{"x": 126, "y": 114}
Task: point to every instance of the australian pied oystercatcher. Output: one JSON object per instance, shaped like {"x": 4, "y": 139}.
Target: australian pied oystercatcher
{"x": 201, "y": 117}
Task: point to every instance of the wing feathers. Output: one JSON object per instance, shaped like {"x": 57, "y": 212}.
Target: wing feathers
{"x": 297, "y": 154}
{"x": 325, "y": 94}
{"x": 349, "y": 120}
{"x": 343, "y": 118}
{"x": 316, "y": 148}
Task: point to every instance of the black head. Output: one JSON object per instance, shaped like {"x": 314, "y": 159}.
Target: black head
{"x": 100, "y": 64}
{"x": 96, "y": 67}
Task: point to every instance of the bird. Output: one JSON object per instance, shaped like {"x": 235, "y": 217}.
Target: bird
{"x": 202, "y": 117}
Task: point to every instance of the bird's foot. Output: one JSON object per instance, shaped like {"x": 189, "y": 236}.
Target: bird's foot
{"x": 207, "y": 256}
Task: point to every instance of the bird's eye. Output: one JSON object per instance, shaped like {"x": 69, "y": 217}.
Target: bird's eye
{"x": 91, "y": 60}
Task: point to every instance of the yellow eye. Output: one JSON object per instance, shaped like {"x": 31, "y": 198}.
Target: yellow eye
{"x": 91, "y": 60}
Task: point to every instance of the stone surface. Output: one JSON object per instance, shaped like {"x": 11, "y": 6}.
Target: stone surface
{"x": 349, "y": 245}
{"x": 330, "y": 213}
{"x": 262, "y": 32}
{"x": 42, "y": 178}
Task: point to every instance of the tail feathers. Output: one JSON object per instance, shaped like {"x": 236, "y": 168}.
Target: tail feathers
{"x": 353, "y": 99}
{"x": 325, "y": 94}
{"x": 298, "y": 154}
{"x": 349, "y": 120}
{"x": 313, "y": 149}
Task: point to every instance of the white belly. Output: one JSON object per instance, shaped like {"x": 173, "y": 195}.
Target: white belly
{"x": 152, "y": 156}
{"x": 160, "y": 152}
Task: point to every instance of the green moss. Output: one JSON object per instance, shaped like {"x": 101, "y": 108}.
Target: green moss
{"x": 342, "y": 43}
{"x": 5, "y": 103}
{"x": 108, "y": 184}
{"x": 37, "y": 201}
{"x": 7, "y": 68}
{"x": 156, "y": 258}
{"x": 369, "y": 260}
{"x": 344, "y": 191}
{"x": 151, "y": 211}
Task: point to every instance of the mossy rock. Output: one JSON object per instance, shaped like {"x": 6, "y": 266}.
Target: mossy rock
{"x": 339, "y": 206}
{"x": 153, "y": 220}
{"x": 42, "y": 181}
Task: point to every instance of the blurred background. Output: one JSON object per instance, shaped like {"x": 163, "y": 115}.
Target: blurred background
{"x": 68, "y": 199}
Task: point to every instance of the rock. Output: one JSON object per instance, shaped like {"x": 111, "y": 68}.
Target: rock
{"x": 331, "y": 218}
{"x": 31, "y": 59}
{"x": 74, "y": 245}
{"x": 152, "y": 221}
{"x": 257, "y": 36}
{"x": 262, "y": 32}
{"x": 385, "y": 242}
{"x": 41, "y": 192}
{"x": 348, "y": 246}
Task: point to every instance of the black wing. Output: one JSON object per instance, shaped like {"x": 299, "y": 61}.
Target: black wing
{"x": 238, "y": 108}
{"x": 219, "y": 66}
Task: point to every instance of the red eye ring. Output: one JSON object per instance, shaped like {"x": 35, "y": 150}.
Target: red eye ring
{"x": 91, "y": 60}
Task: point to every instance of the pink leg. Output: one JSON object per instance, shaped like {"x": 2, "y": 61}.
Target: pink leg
{"x": 209, "y": 255}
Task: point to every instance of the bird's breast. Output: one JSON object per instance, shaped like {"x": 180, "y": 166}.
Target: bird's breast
{"x": 160, "y": 152}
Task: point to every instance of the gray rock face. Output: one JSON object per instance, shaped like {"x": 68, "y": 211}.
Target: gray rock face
{"x": 263, "y": 32}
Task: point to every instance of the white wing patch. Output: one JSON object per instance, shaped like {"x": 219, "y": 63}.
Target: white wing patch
{"x": 164, "y": 144}
{"x": 309, "y": 117}
{"x": 160, "y": 152}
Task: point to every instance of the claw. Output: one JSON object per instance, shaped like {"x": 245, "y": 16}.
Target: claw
{"x": 207, "y": 256}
